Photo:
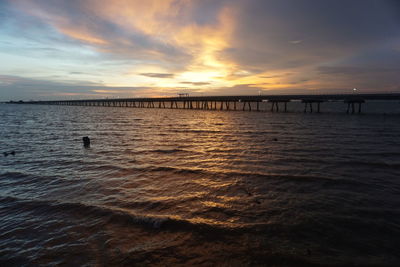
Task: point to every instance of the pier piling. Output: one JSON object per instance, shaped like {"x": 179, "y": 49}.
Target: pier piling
{"x": 309, "y": 103}
{"x": 351, "y": 103}
{"x": 312, "y": 103}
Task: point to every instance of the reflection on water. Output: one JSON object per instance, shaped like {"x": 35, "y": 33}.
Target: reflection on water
{"x": 181, "y": 187}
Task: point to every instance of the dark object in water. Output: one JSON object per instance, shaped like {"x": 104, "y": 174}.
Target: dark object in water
{"x": 275, "y": 139}
{"x": 86, "y": 141}
{"x": 9, "y": 153}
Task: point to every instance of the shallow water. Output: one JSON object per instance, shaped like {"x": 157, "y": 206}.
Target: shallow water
{"x": 185, "y": 187}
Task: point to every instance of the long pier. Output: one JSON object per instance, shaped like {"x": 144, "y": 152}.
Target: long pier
{"x": 275, "y": 103}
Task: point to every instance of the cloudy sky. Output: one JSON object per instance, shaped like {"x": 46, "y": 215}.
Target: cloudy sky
{"x": 73, "y": 49}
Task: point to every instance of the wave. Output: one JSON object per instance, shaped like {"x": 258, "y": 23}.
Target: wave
{"x": 177, "y": 170}
{"x": 368, "y": 164}
{"x": 14, "y": 175}
{"x": 167, "y": 151}
{"x": 256, "y": 175}
{"x": 17, "y": 181}
{"x": 99, "y": 216}
{"x": 22, "y": 178}
{"x": 197, "y": 131}
{"x": 108, "y": 167}
{"x": 114, "y": 215}
{"x": 119, "y": 171}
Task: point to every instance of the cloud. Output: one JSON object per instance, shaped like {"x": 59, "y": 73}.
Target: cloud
{"x": 350, "y": 70}
{"x": 296, "y": 42}
{"x": 197, "y": 83}
{"x": 78, "y": 72}
{"x": 373, "y": 69}
{"x": 98, "y": 46}
{"x": 264, "y": 37}
{"x": 91, "y": 23}
{"x": 28, "y": 88}
{"x": 158, "y": 75}
{"x": 237, "y": 89}
{"x": 22, "y": 88}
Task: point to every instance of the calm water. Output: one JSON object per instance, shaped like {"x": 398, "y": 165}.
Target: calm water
{"x": 181, "y": 187}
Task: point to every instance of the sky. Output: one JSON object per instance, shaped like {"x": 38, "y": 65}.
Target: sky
{"x": 90, "y": 49}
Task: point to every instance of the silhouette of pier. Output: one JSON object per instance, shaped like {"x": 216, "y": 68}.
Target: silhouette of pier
{"x": 312, "y": 103}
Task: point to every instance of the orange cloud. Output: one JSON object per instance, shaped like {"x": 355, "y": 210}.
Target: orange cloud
{"x": 152, "y": 17}
{"x": 82, "y": 35}
{"x": 206, "y": 45}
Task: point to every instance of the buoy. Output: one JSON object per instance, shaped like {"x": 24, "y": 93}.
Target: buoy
{"x": 86, "y": 141}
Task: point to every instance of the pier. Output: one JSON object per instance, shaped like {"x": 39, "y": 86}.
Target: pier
{"x": 273, "y": 103}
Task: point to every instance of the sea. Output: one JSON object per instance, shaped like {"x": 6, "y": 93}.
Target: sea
{"x": 175, "y": 187}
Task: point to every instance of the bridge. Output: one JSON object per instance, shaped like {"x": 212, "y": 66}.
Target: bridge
{"x": 275, "y": 103}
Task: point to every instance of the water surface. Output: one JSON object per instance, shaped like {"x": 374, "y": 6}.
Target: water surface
{"x": 186, "y": 187}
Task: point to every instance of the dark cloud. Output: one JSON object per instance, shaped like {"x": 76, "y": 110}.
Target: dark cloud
{"x": 275, "y": 76}
{"x": 203, "y": 12}
{"x": 78, "y": 73}
{"x": 158, "y": 75}
{"x": 327, "y": 29}
{"x": 365, "y": 79}
{"x": 375, "y": 69}
{"x": 348, "y": 70}
{"x": 16, "y": 88}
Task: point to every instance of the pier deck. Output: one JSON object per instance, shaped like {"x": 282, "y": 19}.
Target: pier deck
{"x": 243, "y": 102}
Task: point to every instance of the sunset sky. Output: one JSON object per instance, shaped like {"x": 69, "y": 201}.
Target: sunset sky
{"x": 73, "y": 49}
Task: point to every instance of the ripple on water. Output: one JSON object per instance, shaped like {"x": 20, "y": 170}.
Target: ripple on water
{"x": 197, "y": 188}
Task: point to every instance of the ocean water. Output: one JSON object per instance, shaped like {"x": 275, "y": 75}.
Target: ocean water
{"x": 207, "y": 188}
